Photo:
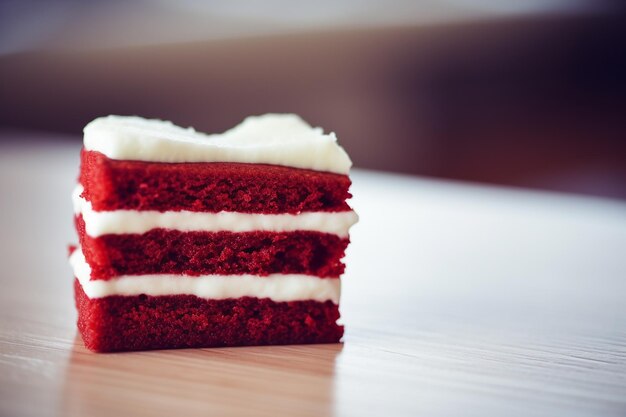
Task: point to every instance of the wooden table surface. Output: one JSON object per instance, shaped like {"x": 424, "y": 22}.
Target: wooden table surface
{"x": 458, "y": 300}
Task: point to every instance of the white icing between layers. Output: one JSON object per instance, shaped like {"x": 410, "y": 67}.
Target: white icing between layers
{"x": 277, "y": 287}
{"x": 98, "y": 223}
{"x": 277, "y": 139}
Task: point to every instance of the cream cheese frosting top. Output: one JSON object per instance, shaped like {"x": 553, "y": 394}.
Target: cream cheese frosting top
{"x": 277, "y": 139}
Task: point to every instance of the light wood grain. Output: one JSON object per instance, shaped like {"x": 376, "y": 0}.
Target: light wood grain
{"x": 458, "y": 300}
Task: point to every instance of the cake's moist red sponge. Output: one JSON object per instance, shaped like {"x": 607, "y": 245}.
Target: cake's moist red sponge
{"x": 122, "y": 323}
{"x": 164, "y": 251}
{"x": 212, "y": 187}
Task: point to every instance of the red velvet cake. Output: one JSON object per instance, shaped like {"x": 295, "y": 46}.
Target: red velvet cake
{"x": 195, "y": 240}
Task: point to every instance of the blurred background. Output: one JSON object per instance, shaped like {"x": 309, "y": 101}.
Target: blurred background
{"x": 522, "y": 93}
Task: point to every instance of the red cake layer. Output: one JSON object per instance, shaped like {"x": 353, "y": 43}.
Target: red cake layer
{"x": 122, "y": 323}
{"x": 251, "y": 188}
{"x": 164, "y": 251}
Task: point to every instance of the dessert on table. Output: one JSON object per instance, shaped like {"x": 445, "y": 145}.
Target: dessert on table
{"x": 195, "y": 240}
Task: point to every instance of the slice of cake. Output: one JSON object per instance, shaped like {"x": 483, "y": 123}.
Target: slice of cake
{"x": 195, "y": 240}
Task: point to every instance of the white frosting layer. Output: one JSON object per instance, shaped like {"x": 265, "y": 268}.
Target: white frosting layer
{"x": 278, "y": 139}
{"x": 276, "y": 287}
{"x": 98, "y": 223}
